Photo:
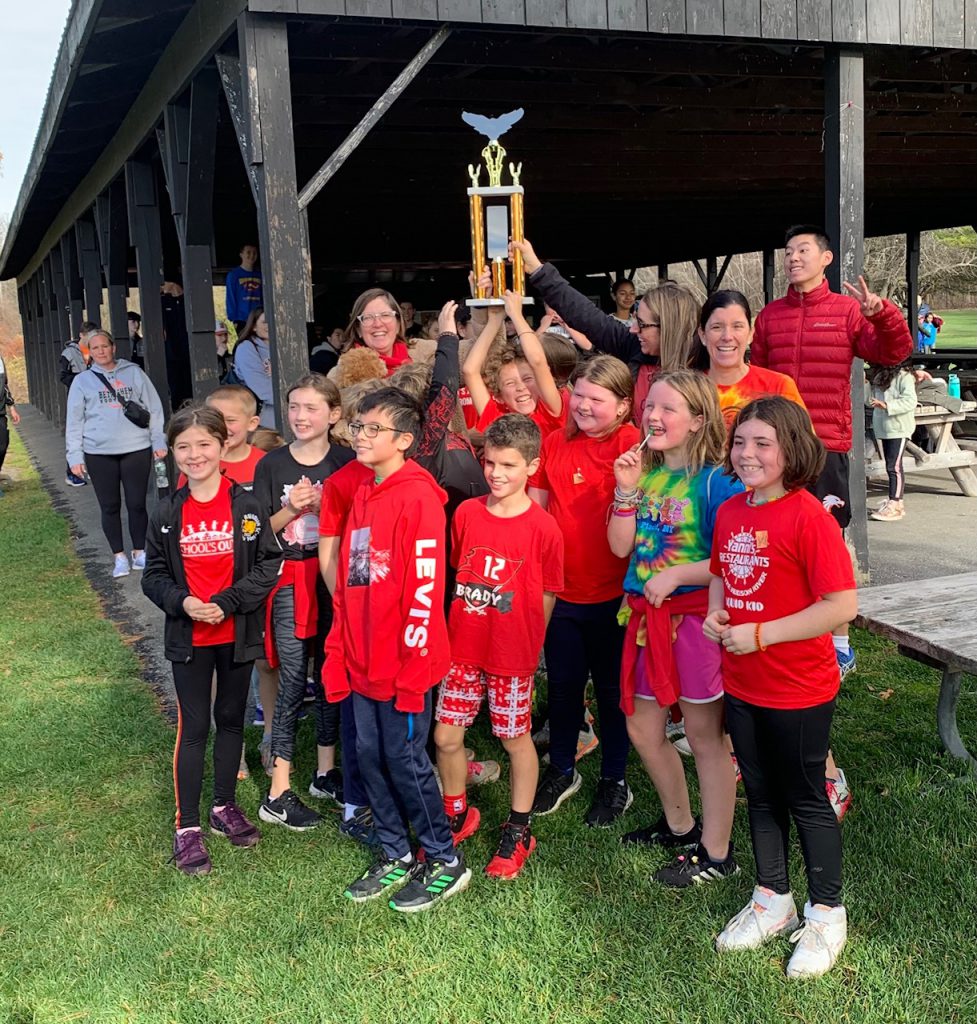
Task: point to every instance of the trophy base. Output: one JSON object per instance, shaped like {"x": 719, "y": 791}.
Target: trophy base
{"x": 483, "y": 303}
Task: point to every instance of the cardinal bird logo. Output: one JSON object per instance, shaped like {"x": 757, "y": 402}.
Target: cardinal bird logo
{"x": 492, "y": 127}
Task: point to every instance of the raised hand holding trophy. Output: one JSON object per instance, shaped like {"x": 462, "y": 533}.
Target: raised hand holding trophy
{"x": 493, "y": 223}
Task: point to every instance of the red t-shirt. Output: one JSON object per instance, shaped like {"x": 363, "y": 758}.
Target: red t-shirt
{"x": 504, "y": 566}
{"x": 241, "y": 472}
{"x": 207, "y": 550}
{"x": 578, "y": 473}
{"x": 337, "y": 497}
{"x": 541, "y": 416}
{"x": 775, "y": 560}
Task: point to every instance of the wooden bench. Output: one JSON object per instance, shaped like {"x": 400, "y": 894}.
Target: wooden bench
{"x": 947, "y": 452}
{"x": 933, "y": 622}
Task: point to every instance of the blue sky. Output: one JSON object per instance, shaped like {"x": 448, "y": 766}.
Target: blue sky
{"x": 29, "y": 44}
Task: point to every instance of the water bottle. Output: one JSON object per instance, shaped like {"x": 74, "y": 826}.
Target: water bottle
{"x": 953, "y": 386}
{"x": 162, "y": 478}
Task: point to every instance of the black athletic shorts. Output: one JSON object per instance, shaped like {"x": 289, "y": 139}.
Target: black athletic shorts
{"x": 832, "y": 487}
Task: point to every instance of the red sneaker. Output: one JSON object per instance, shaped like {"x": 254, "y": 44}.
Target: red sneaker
{"x": 515, "y": 846}
{"x": 466, "y": 824}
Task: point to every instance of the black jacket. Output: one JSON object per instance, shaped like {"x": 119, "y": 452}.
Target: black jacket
{"x": 257, "y": 562}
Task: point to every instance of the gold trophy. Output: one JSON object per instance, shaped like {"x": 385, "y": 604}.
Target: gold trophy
{"x": 496, "y": 212}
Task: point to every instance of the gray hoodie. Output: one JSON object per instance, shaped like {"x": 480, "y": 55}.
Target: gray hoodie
{"x": 95, "y": 423}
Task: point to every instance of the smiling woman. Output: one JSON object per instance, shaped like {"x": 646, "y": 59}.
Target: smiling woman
{"x": 726, "y": 330}
{"x": 377, "y": 323}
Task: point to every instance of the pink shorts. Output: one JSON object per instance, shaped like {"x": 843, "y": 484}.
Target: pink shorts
{"x": 699, "y": 664}
{"x": 510, "y": 700}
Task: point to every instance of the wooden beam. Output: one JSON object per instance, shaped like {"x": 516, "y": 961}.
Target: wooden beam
{"x": 912, "y": 283}
{"x": 188, "y": 146}
{"x": 69, "y": 259}
{"x": 90, "y": 269}
{"x": 231, "y": 80}
{"x": 318, "y": 180}
{"x": 51, "y": 337}
{"x": 263, "y": 43}
{"x": 768, "y": 276}
{"x": 144, "y": 233}
{"x": 662, "y": 271}
{"x": 62, "y": 325}
{"x": 113, "y": 247}
{"x": 844, "y": 205}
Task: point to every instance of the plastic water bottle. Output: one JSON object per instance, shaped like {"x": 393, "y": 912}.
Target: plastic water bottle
{"x": 162, "y": 478}
{"x": 953, "y": 386}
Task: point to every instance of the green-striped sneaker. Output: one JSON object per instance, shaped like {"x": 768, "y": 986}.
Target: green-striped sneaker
{"x": 380, "y": 878}
{"x": 430, "y": 883}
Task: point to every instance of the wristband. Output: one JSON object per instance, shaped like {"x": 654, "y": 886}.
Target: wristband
{"x": 756, "y": 636}
{"x": 624, "y": 513}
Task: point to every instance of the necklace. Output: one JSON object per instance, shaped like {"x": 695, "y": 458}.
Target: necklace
{"x": 752, "y": 500}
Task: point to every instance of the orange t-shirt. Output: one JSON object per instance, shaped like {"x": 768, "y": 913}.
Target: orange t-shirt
{"x": 578, "y": 473}
{"x": 758, "y": 383}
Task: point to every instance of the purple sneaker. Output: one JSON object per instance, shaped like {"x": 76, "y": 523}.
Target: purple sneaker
{"x": 231, "y": 823}
{"x": 190, "y": 854}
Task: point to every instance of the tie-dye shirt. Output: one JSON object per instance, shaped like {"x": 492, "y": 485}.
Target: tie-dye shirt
{"x": 675, "y": 520}
{"x": 758, "y": 383}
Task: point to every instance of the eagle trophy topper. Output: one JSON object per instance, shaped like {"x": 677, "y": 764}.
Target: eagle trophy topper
{"x": 498, "y": 221}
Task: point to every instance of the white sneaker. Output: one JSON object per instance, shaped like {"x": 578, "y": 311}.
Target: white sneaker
{"x": 819, "y": 941}
{"x": 766, "y": 916}
{"x": 888, "y": 512}
{"x": 139, "y": 559}
{"x": 121, "y": 567}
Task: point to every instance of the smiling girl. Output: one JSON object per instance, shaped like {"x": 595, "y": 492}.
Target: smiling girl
{"x": 782, "y": 580}
{"x": 575, "y": 483}
{"x": 211, "y": 562}
{"x": 288, "y": 483}
{"x": 665, "y": 504}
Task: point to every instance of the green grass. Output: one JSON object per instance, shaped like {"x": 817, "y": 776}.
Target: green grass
{"x": 959, "y": 329}
{"x": 96, "y": 927}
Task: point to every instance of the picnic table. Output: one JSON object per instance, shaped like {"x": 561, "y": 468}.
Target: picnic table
{"x": 932, "y": 621}
{"x": 947, "y": 453}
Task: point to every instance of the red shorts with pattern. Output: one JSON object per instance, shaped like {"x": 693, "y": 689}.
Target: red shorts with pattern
{"x": 510, "y": 700}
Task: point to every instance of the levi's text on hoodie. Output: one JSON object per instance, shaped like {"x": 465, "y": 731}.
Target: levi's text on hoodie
{"x": 389, "y": 638}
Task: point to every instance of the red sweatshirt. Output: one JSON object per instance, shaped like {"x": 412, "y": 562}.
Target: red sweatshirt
{"x": 389, "y": 638}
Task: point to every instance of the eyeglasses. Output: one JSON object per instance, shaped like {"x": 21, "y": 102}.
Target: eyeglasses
{"x": 641, "y": 323}
{"x": 369, "y": 430}
{"x": 385, "y": 317}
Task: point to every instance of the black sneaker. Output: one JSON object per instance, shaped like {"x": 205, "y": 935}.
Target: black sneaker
{"x": 328, "y": 786}
{"x": 612, "y": 800}
{"x": 289, "y": 811}
{"x": 697, "y": 868}
{"x": 360, "y": 828}
{"x": 660, "y": 834}
{"x": 378, "y": 879}
{"x": 553, "y": 789}
{"x": 430, "y": 883}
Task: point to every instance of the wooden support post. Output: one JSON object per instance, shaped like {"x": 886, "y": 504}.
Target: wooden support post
{"x": 90, "y": 269}
{"x": 113, "y": 241}
{"x": 722, "y": 272}
{"x": 144, "y": 233}
{"x": 662, "y": 271}
{"x": 187, "y": 145}
{"x": 69, "y": 260}
{"x": 768, "y": 275}
{"x": 912, "y": 283}
{"x": 30, "y": 297}
{"x": 50, "y": 360}
{"x": 61, "y": 321}
{"x": 52, "y": 348}
{"x": 30, "y": 352}
{"x": 712, "y": 274}
{"x": 263, "y": 44}
{"x": 844, "y": 220}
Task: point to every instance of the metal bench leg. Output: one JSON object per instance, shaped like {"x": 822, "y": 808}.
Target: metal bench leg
{"x": 946, "y": 717}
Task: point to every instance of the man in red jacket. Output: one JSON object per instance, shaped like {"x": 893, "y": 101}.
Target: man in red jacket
{"x": 812, "y": 334}
{"x": 389, "y": 646}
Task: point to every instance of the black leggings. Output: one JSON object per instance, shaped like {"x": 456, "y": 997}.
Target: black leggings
{"x": 293, "y": 658}
{"x": 892, "y": 449}
{"x": 193, "y": 682}
{"x": 131, "y": 470}
{"x": 586, "y": 639}
{"x": 4, "y": 437}
{"x": 781, "y": 754}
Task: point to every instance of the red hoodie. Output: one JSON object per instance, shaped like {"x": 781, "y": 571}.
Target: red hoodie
{"x": 389, "y": 638}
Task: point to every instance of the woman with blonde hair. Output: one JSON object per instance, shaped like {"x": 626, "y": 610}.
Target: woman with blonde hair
{"x": 662, "y": 336}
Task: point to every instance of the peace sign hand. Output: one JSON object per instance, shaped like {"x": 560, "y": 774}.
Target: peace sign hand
{"x": 869, "y": 302}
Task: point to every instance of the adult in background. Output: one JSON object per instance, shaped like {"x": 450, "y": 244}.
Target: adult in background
{"x": 662, "y": 336}
{"x": 252, "y": 363}
{"x": 243, "y": 289}
{"x": 135, "y": 339}
{"x": 177, "y": 343}
{"x": 115, "y": 451}
{"x": 412, "y": 329}
{"x": 6, "y": 402}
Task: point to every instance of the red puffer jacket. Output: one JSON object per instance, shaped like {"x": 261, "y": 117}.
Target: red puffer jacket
{"x": 813, "y": 338}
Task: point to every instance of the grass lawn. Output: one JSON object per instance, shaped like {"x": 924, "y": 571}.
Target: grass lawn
{"x": 959, "y": 329}
{"x": 96, "y": 927}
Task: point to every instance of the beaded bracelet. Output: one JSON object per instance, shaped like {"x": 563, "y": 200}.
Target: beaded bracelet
{"x": 756, "y": 636}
